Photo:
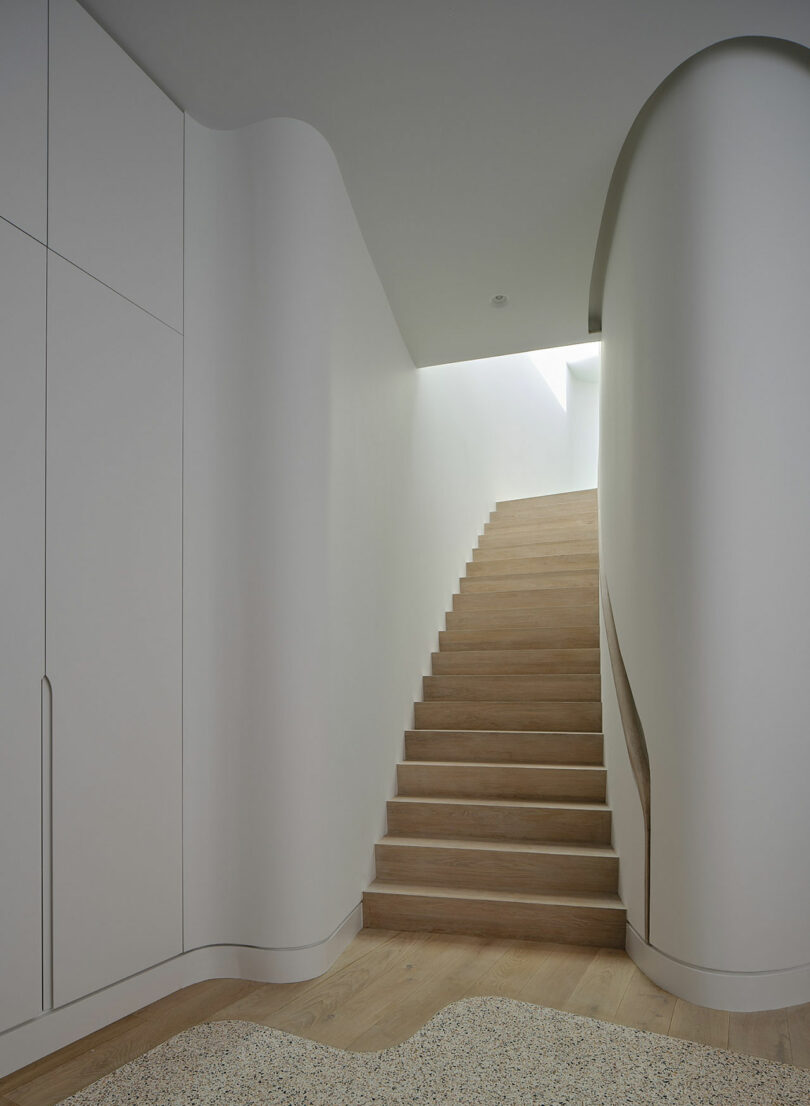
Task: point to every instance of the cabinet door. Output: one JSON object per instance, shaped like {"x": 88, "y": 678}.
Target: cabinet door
{"x": 115, "y": 166}
{"x": 24, "y": 114}
{"x": 22, "y": 600}
{"x": 113, "y": 632}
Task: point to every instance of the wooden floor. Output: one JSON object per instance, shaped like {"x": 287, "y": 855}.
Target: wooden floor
{"x": 386, "y": 985}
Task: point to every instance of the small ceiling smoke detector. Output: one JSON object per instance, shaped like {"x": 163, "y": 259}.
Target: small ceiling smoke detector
{"x": 499, "y": 301}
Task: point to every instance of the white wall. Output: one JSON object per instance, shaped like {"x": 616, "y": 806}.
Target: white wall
{"x": 704, "y": 472}
{"x": 333, "y": 494}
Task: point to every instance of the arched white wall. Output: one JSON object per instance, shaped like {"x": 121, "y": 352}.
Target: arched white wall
{"x": 705, "y": 529}
{"x": 333, "y": 493}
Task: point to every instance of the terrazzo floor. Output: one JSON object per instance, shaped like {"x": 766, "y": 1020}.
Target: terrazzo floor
{"x": 481, "y": 1051}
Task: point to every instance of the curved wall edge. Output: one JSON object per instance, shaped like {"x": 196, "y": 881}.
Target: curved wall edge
{"x": 734, "y": 991}
{"x": 621, "y": 170}
{"x": 704, "y": 530}
{"x": 31, "y": 1041}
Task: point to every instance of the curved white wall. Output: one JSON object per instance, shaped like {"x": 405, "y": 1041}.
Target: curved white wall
{"x": 332, "y": 496}
{"x": 704, "y": 471}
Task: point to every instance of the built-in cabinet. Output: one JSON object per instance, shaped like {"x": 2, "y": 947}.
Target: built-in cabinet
{"x": 24, "y": 114}
{"x": 115, "y": 166}
{"x": 113, "y": 634}
{"x": 91, "y": 371}
{"x": 22, "y": 618}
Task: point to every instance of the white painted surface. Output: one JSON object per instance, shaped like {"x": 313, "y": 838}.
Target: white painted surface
{"x": 115, "y": 188}
{"x": 24, "y": 114}
{"x": 58, "y": 1028}
{"x": 704, "y": 472}
{"x": 332, "y": 496}
{"x": 22, "y": 618}
{"x": 476, "y": 139}
{"x": 744, "y": 991}
{"x": 113, "y": 632}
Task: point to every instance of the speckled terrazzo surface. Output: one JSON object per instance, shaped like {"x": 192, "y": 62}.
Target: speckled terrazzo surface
{"x": 482, "y": 1051}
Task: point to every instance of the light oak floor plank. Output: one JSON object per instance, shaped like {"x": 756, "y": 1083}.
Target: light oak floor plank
{"x": 359, "y": 994}
{"x": 699, "y": 1023}
{"x": 464, "y": 964}
{"x": 65, "y": 1055}
{"x": 799, "y": 1028}
{"x": 386, "y": 985}
{"x": 603, "y": 985}
{"x": 645, "y": 1005}
{"x": 155, "y": 1024}
{"x": 269, "y": 998}
{"x": 558, "y": 976}
{"x": 513, "y": 971}
{"x": 763, "y": 1033}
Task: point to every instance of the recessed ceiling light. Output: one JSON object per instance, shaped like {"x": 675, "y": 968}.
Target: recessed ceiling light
{"x": 499, "y": 301}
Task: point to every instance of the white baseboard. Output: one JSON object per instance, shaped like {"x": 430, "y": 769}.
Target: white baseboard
{"x": 37, "y": 1038}
{"x": 739, "y": 991}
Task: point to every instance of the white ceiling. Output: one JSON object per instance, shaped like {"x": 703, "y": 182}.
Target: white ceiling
{"x": 476, "y": 137}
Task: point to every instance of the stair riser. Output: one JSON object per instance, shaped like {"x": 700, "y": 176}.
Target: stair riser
{"x": 498, "y": 870}
{"x": 551, "y": 554}
{"x": 549, "y": 520}
{"x": 572, "y": 925}
{"x": 531, "y": 535}
{"x": 511, "y": 582}
{"x": 502, "y": 747}
{"x": 575, "y": 717}
{"x": 533, "y": 599}
{"x": 516, "y": 566}
{"x": 515, "y": 662}
{"x": 572, "y": 637}
{"x": 586, "y": 497}
{"x": 548, "y": 618}
{"x": 494, "y": 823}
{"x": 512, "y": 689}
{"x": 502, "y": 782}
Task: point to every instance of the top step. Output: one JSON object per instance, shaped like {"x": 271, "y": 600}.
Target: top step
{"x": 540, "y": 504}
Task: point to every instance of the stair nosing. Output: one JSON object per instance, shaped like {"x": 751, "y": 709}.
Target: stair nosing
{"x": 501, "y": 845}
{"x": 509, "y": 733}
{"x": 501, "y": 764}
{"x": 518, "y": 804}
{"x": 596, "y": 900}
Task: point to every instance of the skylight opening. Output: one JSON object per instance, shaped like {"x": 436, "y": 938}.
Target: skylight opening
{"x": 554, "y": 365}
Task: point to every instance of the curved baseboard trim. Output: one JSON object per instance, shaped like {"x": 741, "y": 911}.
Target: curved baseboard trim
{"x": 37, "y": 1038}
{"x": 737, "y": 991}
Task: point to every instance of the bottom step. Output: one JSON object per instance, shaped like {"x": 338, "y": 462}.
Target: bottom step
{"x": 566, "y": 919}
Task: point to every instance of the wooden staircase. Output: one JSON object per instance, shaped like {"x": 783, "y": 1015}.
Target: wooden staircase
{"x": 500, "y": 826}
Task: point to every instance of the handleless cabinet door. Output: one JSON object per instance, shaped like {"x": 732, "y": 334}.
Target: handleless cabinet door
{"x": 115, "y": 166}
{"x": 24, "y": 114}
{"x": 22, "y": 571}
{"x": 113, "y": 633}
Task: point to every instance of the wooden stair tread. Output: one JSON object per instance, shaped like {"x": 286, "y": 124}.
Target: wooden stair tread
{"x": 581, "y": 495}
{"x": 483, "y": 844}
{"x": 521, "y": 582}
{"x": 515, "y": 662}
{"x": 585, "y": 615}
{"x": 505, "y": 746}
{"x": 529, "y": 765}
{"x": 532, "y": 687}
{"x": 521, "y": 804}
{"x": 597, "y": 900}
{"x": 508, "y": 733}
{"x": 470, "y": 714}
{"x": 544, "y": 637}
